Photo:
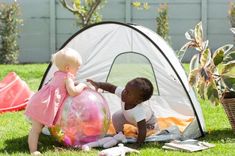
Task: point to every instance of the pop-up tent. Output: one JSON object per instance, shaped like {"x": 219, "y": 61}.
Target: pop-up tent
{"x": 116, "y": 53}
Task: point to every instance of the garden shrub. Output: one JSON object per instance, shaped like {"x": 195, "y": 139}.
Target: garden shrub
{"x": 162, "y": 22}
{"x": 231, "y": 13}
{"x": 162, "y": 19}
{"x": 9, "y": 32}
{"x": 86, "y": 11}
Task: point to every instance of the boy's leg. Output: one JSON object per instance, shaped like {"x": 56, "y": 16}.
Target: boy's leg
{"x": 34, "y": 136}
{"x": 119, "y": 120}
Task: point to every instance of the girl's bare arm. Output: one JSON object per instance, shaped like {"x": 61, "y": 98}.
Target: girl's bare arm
{"x": 72, "y": 89}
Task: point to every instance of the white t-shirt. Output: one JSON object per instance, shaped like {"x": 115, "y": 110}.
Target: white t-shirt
{"x": 139, "y": 112}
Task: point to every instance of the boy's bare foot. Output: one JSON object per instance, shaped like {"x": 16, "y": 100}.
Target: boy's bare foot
{"x": 36, "y": 153}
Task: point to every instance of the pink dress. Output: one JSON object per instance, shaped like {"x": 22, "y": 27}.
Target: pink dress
{"x": 46, "y": 105}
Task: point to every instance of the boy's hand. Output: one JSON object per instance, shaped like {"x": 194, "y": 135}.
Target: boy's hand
{"x": 103, "y": 85}
{"x": 95, "y": 84}
{"x": 141, "y": 125}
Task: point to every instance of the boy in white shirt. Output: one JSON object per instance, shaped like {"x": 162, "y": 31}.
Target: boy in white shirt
{"x": 133, "y": 111}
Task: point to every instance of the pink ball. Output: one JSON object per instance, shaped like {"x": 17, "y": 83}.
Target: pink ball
{"x": 85, "y": 118}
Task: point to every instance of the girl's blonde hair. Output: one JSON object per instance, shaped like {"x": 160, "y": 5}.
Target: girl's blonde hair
{"x": 66, "y": 57}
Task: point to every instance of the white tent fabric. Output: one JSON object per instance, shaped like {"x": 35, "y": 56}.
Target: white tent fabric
{"x": 101, "y": 44}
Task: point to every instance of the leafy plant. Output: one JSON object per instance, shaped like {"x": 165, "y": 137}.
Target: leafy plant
{"x": 141, "y": 6}
{"x": 210, "y": 73}
{"x": 86, "y": 11}
{"x": 231, "y": 13}
{"x": 162, "y": 22}
{"x": 9, "y": 32}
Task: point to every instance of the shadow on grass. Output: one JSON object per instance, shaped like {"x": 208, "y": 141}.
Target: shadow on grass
{"x": 20, "y": 145}
{"x": 47, "y": 143}
{"x": 224, "y": 135}
{"x": 215, "y": 136}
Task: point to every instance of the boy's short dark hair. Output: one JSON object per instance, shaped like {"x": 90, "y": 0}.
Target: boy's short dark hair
{"x": 145, "y": 86}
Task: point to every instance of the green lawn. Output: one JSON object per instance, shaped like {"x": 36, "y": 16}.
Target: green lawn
{"x": 14, "y": 128}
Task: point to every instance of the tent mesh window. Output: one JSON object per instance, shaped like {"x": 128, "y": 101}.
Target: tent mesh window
{"x": 130, "y": 65}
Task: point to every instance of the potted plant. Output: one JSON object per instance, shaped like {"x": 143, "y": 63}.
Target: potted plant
{"x": 212, "y": 74}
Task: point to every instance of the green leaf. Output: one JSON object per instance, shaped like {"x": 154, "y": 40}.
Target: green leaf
{"x": 205, "y": 44}
{"x": 229, "y": 57}
{"x": 192, "y": 78}
{"x": 227, "y": 48}
{"x": 189, "y": 35}
{"x": 205, "y": 57}
{"x": 146, "y": 6}
{"x": 229, "y": 81}
{"x": 201, "y": 88}
{"x": 218, "y": 56}
{"x": 198, "y": 33}
{"x": 194, "y": 62}
{"x": 136, "y": 4}
{"x": 77, "y": 3}
{"x": 212, "y": 93}
{"x": 206, "y": 74}
{"x": 211, "y": 89}
{"x": 228, "y": 67}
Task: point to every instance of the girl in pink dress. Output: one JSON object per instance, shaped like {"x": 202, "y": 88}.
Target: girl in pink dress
{"x": 46, "y": 105}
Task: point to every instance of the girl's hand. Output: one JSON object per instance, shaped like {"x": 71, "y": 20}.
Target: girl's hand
{"x": 93, "y": 83}
{"x": 82, "y": 86}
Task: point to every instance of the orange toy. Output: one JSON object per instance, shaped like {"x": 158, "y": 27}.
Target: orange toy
{"x": 14, "y": 93}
